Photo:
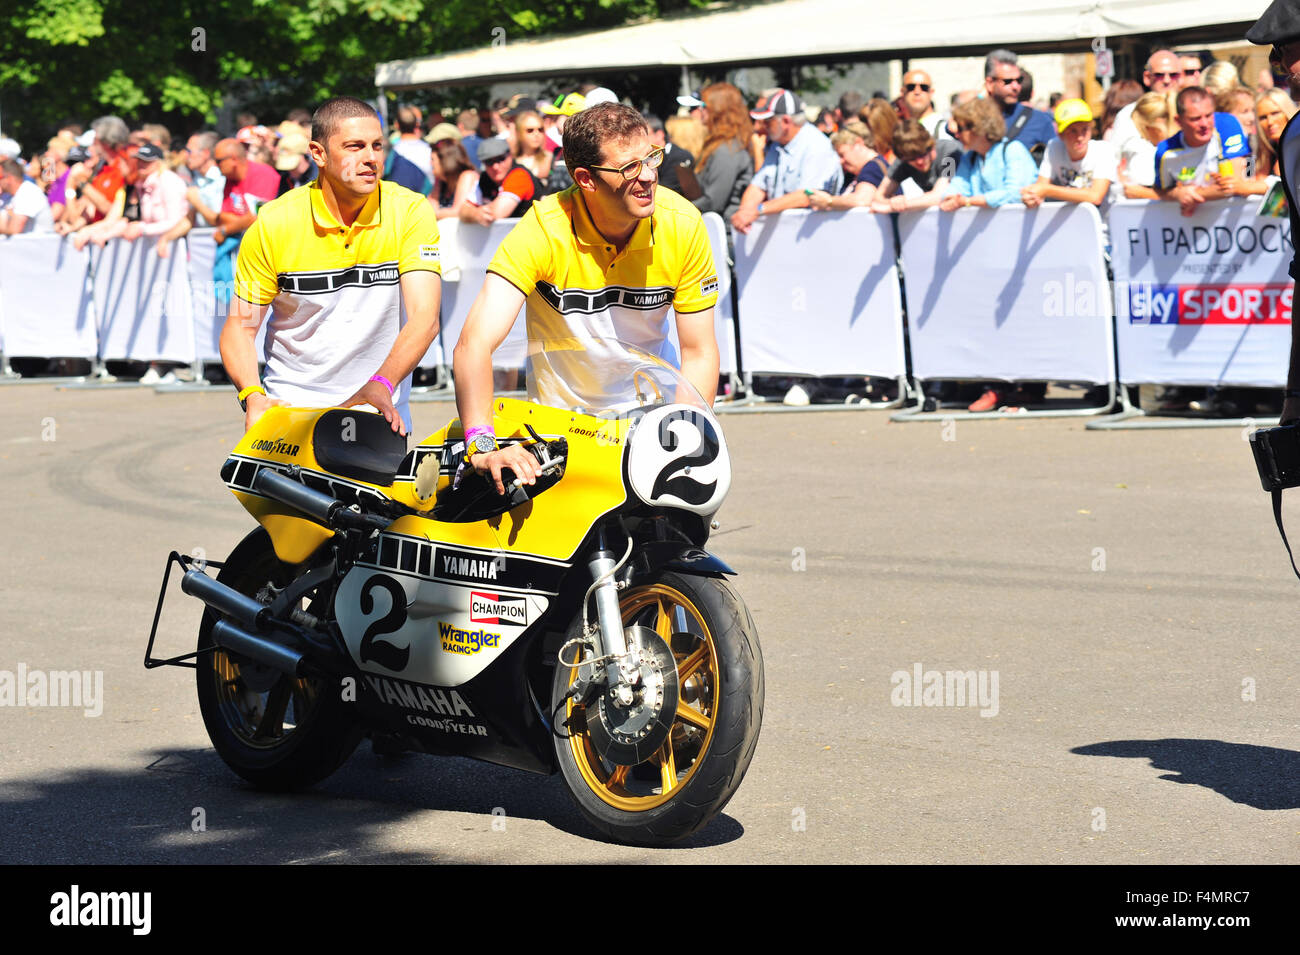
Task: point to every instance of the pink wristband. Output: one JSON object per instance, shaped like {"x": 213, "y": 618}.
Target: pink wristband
{"x": 472, "y": 433}
{"x": 383, "y": 381}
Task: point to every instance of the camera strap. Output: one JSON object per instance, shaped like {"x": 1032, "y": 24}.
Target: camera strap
{"x": 1277, "y": 516}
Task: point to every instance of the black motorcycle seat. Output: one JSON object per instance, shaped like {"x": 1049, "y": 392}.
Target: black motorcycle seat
{"x": 358, "y": 444}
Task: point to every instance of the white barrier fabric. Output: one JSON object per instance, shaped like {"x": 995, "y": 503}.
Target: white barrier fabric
{"x": 818, "y": 295}
{"x": 1009, "y": 294}
{"x": 473, "y": 247}
{"x": 46, "y": 298}
{"x": 724, "y": 329}
{"x": 1202, "y": 299}
{"x": 144, "y": 305}
{"x": 207, "y": 323}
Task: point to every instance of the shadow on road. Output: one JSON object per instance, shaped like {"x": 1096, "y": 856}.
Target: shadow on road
{"x": 1263, "y": 777}
{"x": 149, "y": 815}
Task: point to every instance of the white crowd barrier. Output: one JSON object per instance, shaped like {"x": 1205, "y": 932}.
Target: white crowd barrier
{"x": 45, "y": 303}
{"x": 818, "y": 295}
{"x": 1009, "y": 294}
{"x": 144, "y": 303}
{"x": 1202, "y": 299}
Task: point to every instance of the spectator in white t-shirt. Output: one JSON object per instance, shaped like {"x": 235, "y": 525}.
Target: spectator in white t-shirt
{"x": 24, "y": 207}
{"x": 1076, "y": 167}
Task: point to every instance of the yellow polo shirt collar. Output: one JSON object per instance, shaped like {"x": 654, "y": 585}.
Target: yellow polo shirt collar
{"x": 585, "y": 230}
{"x": 369, "y": 217}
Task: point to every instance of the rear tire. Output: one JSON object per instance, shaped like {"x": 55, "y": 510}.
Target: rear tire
{"x": 720, "y": 672}
{"x": 276, "y": 732}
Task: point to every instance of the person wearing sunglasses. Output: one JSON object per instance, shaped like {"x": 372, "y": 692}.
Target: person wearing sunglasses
{"x": 611, "y": 257}
{"x": 505, "y": 188}
{"x": 918, "y": 100}
{"x": 1279, "y": 27}
{"x": 1003, "y": 81}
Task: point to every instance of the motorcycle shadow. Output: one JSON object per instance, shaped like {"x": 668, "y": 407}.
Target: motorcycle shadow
{"x": 183, "y": 806}
{"x": 1263, "y": 777}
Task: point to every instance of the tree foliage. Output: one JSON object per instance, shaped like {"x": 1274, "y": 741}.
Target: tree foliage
{"x": 179, "y": 62}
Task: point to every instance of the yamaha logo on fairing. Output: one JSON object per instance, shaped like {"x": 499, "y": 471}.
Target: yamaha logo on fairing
{"x": 414, "y": 696}
{"x": 469, "y": 568}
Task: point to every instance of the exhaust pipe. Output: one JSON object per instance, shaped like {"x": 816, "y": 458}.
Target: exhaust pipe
{"x": 258, "y": 649}
{"x": 226, "y": 600}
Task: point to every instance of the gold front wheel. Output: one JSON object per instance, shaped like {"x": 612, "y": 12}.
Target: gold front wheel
{"x": 720, "y": 693}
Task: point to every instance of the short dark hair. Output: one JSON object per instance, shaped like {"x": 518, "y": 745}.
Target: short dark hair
{"x": 586, "y": 133}
{"x": 1192, "y": 93}
{"x": 653, "y": 123}
{"x": 912, "y": 140}
{"x": 850, "y": 103}
{"x": 408, "y": 121}
{"x": 11, "y": 167}
{"x": 329, "y": 114}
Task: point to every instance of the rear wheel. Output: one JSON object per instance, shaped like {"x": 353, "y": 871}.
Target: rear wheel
{"x": 275, "y": 731}
{"x": 691, "y": 776}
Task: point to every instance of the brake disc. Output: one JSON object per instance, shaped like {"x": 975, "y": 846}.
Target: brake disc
{"x": 628, "y": 735}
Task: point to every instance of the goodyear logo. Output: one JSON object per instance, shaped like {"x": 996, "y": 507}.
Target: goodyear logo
{"x": 466, "y": 642}
{"x": 1209, "y": 304}
{"x": 275, "y": 447}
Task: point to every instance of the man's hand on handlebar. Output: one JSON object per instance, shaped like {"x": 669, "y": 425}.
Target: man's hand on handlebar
{"x": 516, "y": 457}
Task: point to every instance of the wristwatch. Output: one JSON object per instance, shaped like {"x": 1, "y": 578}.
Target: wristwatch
{"x": 481, "y": 444}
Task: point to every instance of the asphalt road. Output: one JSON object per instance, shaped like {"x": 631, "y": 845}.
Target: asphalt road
{"x": 1126, "y": 590}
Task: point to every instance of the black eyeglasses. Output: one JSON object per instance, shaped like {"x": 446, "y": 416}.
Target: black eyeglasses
{"x": 1169, "y": 76}
{"x": 1017, "y": 80}
{"x": 632, "y": 170}
{"x": 908, "y": 87}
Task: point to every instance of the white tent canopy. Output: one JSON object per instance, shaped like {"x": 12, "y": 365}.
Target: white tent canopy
{"x": 757, "y": 33}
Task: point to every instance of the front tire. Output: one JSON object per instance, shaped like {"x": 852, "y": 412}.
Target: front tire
{"x": 276, "y": 732}
{"x": 692, "y": 776}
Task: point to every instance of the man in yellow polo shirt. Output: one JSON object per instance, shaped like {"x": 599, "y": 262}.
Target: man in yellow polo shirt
{"x": 336, "y": 261}
{"x": 606, "y": 258}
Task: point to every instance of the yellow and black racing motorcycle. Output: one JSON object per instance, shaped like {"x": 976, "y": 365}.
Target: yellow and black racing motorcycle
{"x": 576, "y": 624}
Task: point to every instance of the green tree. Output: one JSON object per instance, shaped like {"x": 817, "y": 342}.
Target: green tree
{"x": 178, "y": 62}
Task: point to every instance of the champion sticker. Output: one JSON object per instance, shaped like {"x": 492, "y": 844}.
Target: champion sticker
{"x": 428, "y": 252}
{"x": 709, "y": 286}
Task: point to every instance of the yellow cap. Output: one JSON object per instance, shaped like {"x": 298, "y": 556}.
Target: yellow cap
{"x": 1071, "y": 111}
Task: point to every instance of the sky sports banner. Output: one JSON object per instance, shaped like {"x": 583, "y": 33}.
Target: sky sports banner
{"x": 1202, "y": 299}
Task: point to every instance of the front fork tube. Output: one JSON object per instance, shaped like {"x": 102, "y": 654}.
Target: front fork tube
{"x": 610, "y": 638}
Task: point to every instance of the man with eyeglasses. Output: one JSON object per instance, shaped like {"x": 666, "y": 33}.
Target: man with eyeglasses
{"x": 1191, "y": 66}
{"x": 609, "y": 257}
{"x": 1279, "y": 28}
{"x": 1002, "y": 83}
{"x": 1163, "y": 73}
{"x": 918, "y": 100}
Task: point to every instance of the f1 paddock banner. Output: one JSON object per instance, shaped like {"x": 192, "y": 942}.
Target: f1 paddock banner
{"x": 1203, "y": 299}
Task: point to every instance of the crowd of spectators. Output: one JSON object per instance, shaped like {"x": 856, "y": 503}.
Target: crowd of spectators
{"x": 1190, "y": 131}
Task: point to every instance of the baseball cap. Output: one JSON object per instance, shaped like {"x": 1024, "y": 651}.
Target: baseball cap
{"x": 9, "y": 149}
{"x": 780, "y": 103}
{"x": 443, "y": 131}
{"x": 490, "y": 149}
{"x": 289, "y": 151}
{"x": 148, "y": 152}
{"x": 1071, "y": 111}
{"x": 251, "y": 135}
{"x": 690, "y": 100}
{"x": 601, "y": 94}
{"x": 289, "y": 128}
{"x": 86, "y": 138}
{"x": 519, "y": 103}
{"x": 1279, "y": 24}
{"x": 566, "y": 104}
